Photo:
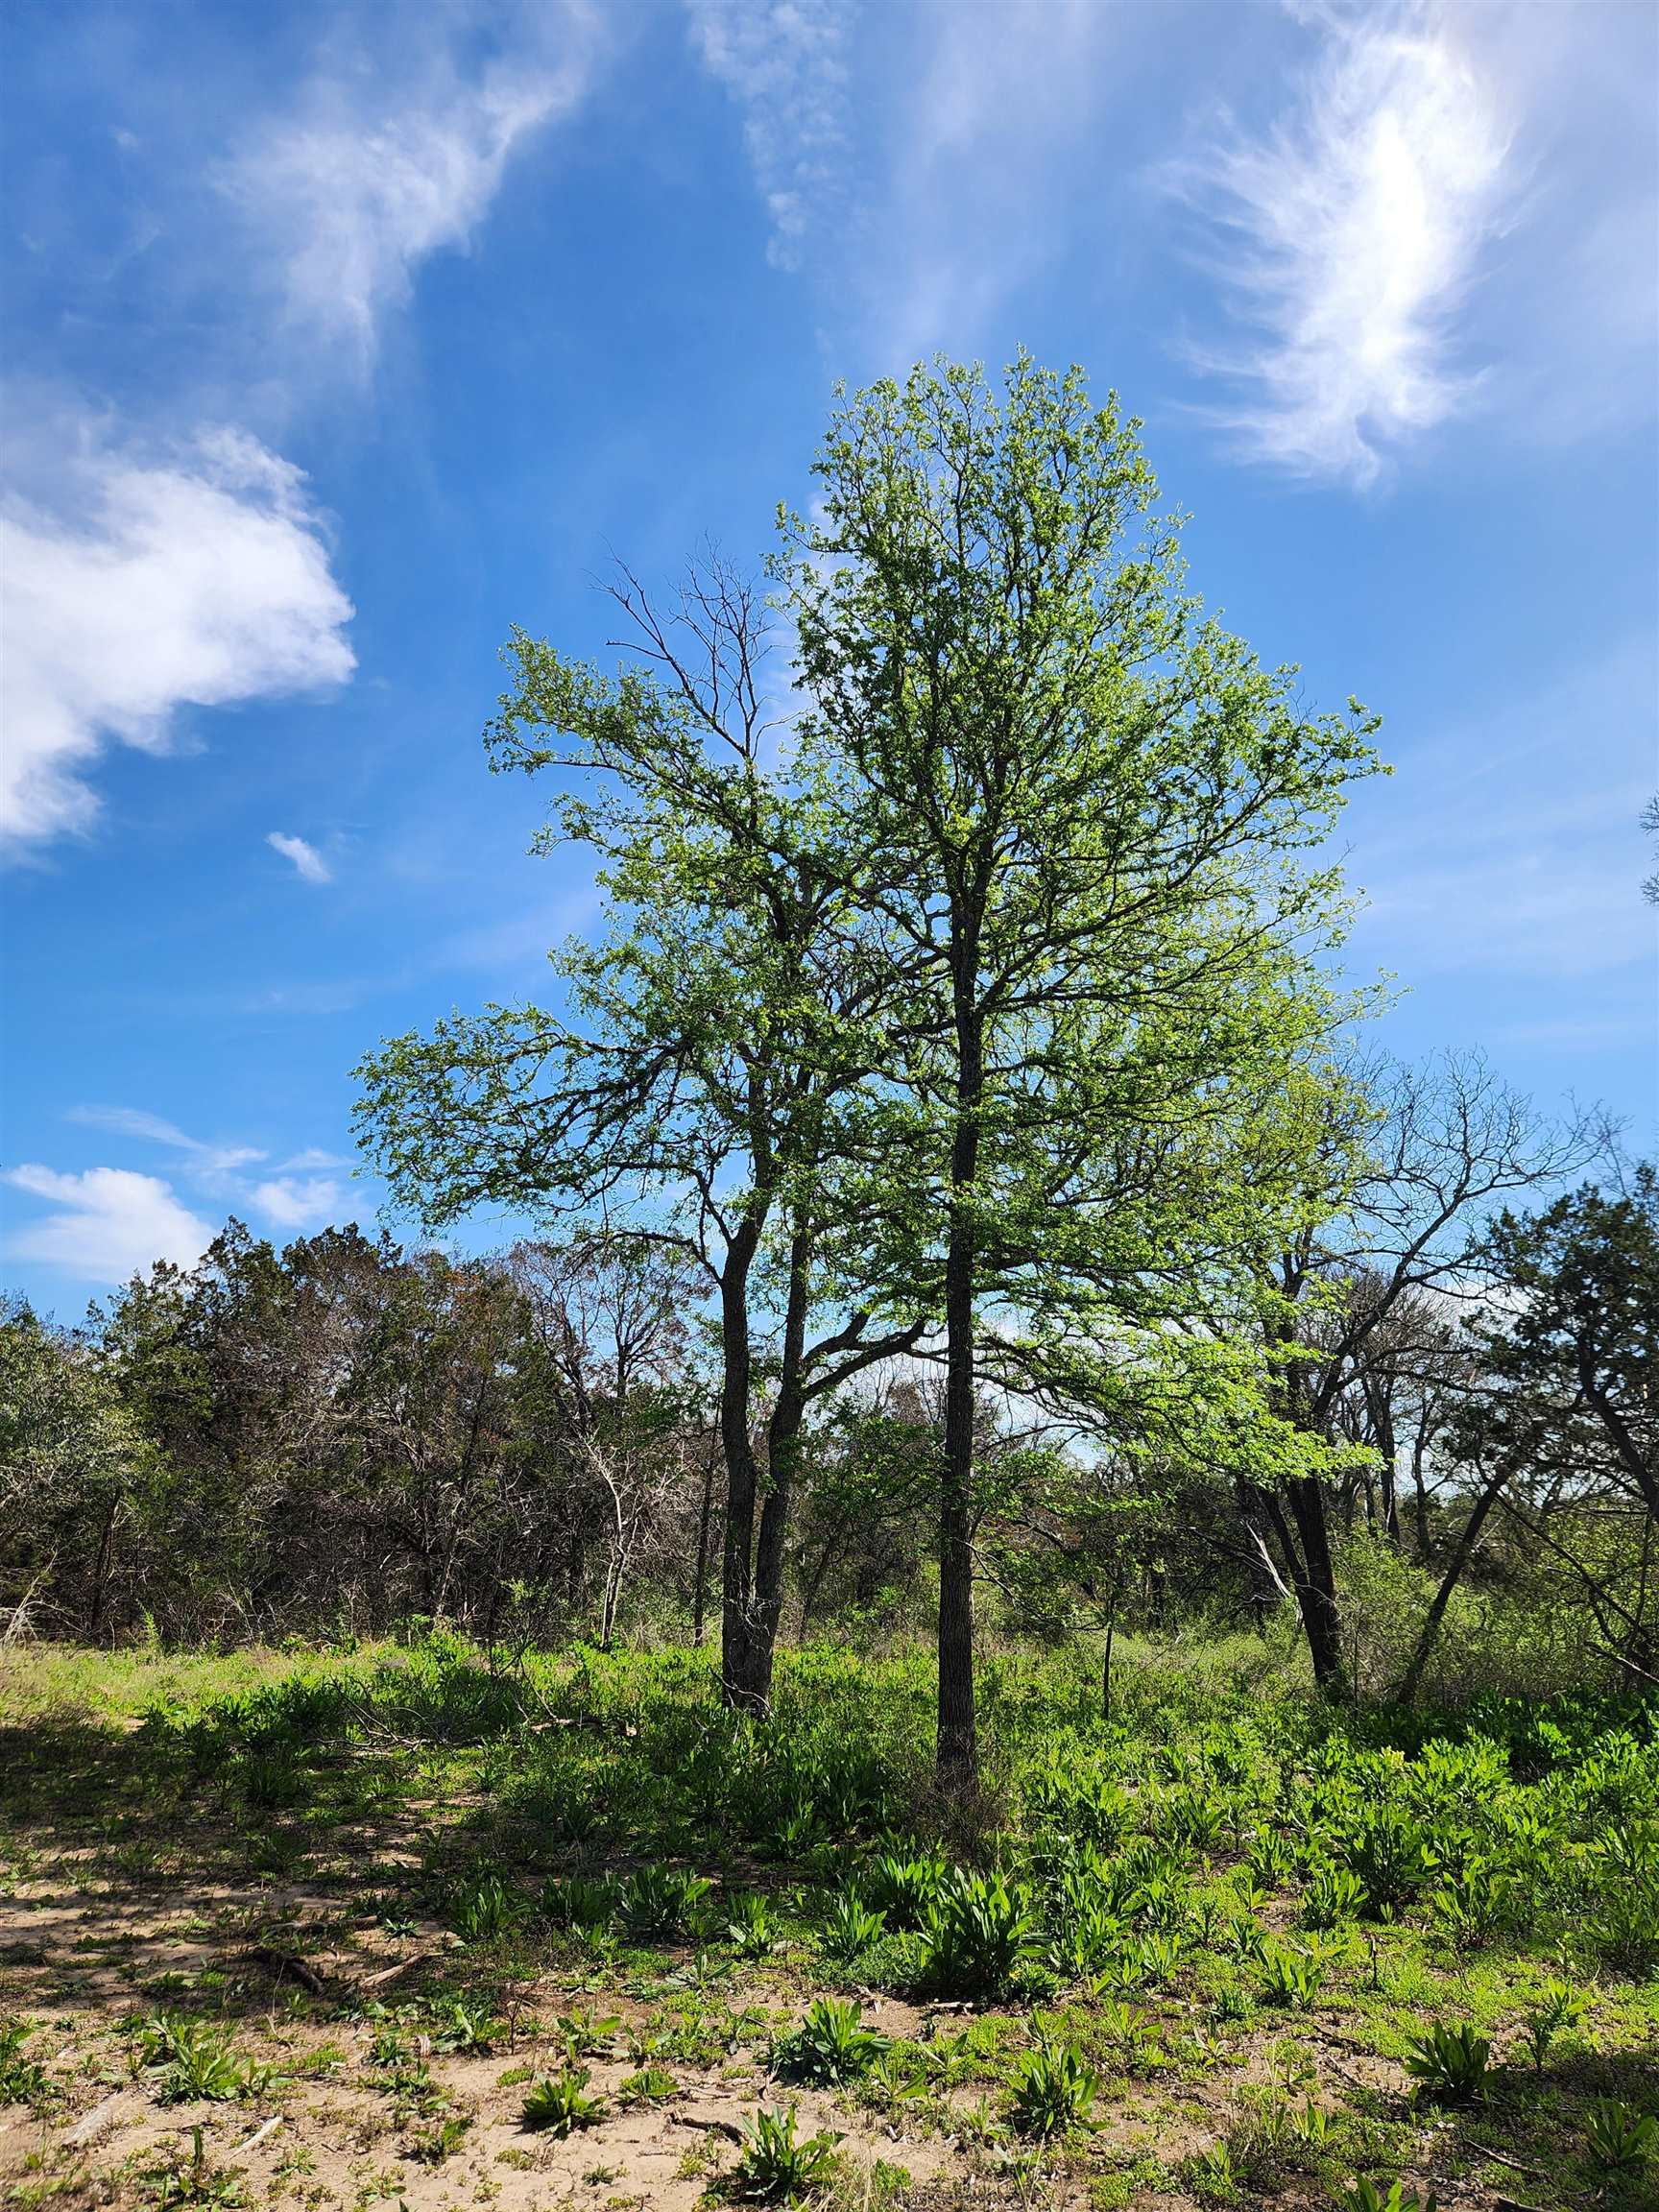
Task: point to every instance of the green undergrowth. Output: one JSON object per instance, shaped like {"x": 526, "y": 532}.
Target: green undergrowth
{"x": 1337, "y": 1945}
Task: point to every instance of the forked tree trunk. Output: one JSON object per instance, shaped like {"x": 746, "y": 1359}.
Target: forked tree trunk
{"x": 1306, "y": 1551}
{"x": 1266, "y": 1592}
{"x": 753, "y": 1682}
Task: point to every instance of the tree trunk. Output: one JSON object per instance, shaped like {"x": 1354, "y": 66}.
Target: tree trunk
{"x": 782, "y": 1450}
{"x": 1390, "y": 1487}
{"x": 742, "y": 1475}
{"x": 1419, "y": 1452}
{"x": 101, "y": 1573}
{"x": 1461, "y": 1550}
{"x": 1265, "y": 1592}
{"x": 1306, "y": 1556}
{"x": 957, "y": 1747}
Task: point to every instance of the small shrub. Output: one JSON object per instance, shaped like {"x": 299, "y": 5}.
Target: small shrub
{"x": 1054, "y": 2087}
{"x": 21, "y": 2079}
{"x": 484, "y": 1912}
{"x": 851, "y": 1927}
{"x": 1472, "y": 1906}
{"x": 775, "y": 2166}
{"x": 558, "y": 2103}
{"x": 195, "y": 2059}
{"x": 271, "y": 1780}
{"x": 581, "y": 1901}
{"x": 751, "y": 1926}
{"x": 1293, "y": 1977}
{"x": 903, "y": 1887}
{"x": 1621, "y": 2140}
{"x": 1559, "y": 2006}
{"x": 584, "y": 2034}
{"x": 1367, "y": 2197}
{"x": 1450, "y": 2063}
{"x": 831, "y": 2045}
{"x": 464, "y": 2026}
{"x": 650, "y": 2085}
{"x": 977, "y": 1930}
{"x": 1212, "y": 2174}
{"x": 439, "y": 2139}
{"x": 1624, "y": 1931}
{"x": 661, "y": 1900}
{"x": 1388, "y": 1856}
{"x": 1334, "y": 1896}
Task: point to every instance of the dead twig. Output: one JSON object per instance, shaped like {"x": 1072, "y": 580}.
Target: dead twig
{"x": 285, "y": 1965}
{"x": 92, "y": 2124}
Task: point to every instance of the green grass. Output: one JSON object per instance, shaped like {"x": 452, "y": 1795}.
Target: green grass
{"x": 1201, "y": 1899}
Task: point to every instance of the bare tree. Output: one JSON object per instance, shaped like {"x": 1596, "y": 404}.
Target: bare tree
{"x": 1367, "y": 1298}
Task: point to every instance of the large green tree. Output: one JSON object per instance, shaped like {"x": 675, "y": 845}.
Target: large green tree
{"x": 1083, "y": 814}
{"x": 704, "y": 1086}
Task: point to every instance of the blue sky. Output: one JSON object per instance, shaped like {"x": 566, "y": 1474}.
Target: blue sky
{"x": 341, "y": 338}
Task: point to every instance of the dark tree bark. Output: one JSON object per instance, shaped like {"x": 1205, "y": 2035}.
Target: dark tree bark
{"x": 742, "y": 1470}
{"x": 957, "y": 1748}
{"x": 1305, "y": 1549}
{"x": 1266, "y": 1592}
{"x": 1461, "y": 1552}
{"x": 754, "y": 1685}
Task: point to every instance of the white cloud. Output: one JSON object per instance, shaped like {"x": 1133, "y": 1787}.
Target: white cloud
{"x": 109, "y": 1224}
{"x": 299, "y": 1192}
{"x": 310, "y": 863}
{"x": 151, "y": 1129}
{"x": 986, "y": 143}
{"x": 373, "y": 172}
{"x": 200, "y": 579}
{"x": 298, "y": 1202}
{"x": 784, "y": 63}
{"x": 1349, "y": 235}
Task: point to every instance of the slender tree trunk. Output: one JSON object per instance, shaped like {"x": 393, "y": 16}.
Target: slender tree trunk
{"x": 1419, "y": 1452}
{"x": 1317, "y": 1589}
{"x": 815, "y": 1580}
{"x": 101, "y": 1573}
{"x": 783, "y": 1451}
{"x": 1460, "y": 1553}
{"x": 1315, "y": 1586}
{"x": 958, "y": 1749}
{"x": 1265, "y": 1592}
{"x": 1390, "y": 1489}
{"x": 743, "y": 1474}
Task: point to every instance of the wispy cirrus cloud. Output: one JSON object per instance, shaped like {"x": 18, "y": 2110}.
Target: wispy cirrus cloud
{"x": 143, "y": 583}
{"x": 144, "y": 1128}
{"x": 308, "y": 863}
{"x": 1348, "y": 236}
{"x": 784, "y": 62}
{"x": 374, "y": 168}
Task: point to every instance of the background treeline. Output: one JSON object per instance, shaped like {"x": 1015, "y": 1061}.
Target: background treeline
{"x": 345, "y": 1436}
